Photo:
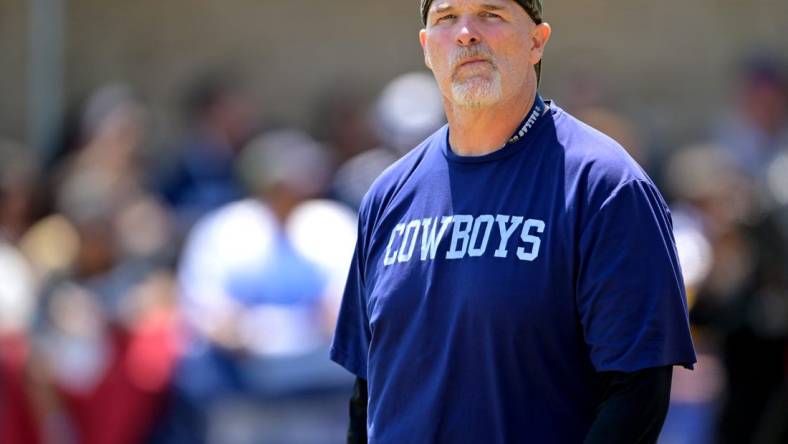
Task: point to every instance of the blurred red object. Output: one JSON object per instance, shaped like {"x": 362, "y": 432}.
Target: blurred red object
{"x": 18, "y": 424}
{"x": 125, "y": 405}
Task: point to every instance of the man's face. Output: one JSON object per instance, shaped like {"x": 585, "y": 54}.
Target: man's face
{"x": 481, "y": 50}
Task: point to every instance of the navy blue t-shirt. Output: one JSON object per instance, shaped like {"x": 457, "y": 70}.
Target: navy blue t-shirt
{"x": 485, "y": 292}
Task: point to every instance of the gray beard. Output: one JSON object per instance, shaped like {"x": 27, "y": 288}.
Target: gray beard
{"x": 476, "y": 92}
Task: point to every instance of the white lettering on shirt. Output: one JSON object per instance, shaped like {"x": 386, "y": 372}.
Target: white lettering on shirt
{"x": 409, "y": 241}
{"x": 506, "y": 233}
{"x": 488, "y": 220}
{"x": 470, "y": 237}
{"x": 430, "y": 240}
{"x": 533, "y": 240}
{"x": 390, "y": 258}
{"x": 461, "y": 233}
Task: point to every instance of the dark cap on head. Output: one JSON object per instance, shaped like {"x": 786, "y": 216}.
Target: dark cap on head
{"x": 532, "y": 7}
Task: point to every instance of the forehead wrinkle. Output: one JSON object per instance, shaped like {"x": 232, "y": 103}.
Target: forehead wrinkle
{"x": 446, "y": 6}
{"x": 492, "y": 7}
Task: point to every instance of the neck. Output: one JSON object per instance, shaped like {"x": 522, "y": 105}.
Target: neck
{"x": 480, "y": 131}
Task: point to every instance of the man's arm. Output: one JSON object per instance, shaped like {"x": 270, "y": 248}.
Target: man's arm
{"x": 633, "y": 406}
{"x": 357, "y": 429}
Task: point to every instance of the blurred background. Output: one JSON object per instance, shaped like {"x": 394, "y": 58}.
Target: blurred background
{"x": 179, "y": 181}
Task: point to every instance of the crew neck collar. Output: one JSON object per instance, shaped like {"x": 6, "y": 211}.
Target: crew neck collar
{"x": 515, "y": 143}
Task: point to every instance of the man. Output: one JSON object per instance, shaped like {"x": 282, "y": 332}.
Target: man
{"x": 515, "y": 278}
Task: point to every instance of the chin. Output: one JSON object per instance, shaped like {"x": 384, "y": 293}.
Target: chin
{"x": 476, "y": 92}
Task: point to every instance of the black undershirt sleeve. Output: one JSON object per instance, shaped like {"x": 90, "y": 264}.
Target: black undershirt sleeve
{"x": 357, "y": 429}
{"x": 633, "y": 406}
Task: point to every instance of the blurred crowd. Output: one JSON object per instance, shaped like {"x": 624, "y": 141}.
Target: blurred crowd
{"x": 188, "y": 294}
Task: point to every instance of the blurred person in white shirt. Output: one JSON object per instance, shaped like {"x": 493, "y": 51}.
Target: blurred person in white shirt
{"x": 260, "y": 282}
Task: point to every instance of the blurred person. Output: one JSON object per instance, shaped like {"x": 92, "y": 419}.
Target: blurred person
{"x": 220, "y": 120}
{"x": 260, "y": 280}
{"x": 18, "y": 414}
{"x": 408, "y": 109}
{"x": 342, "y": 121}
{"x": 106, "y": 338}
{"x": 108, "y": 378}
{"x": 695, "y": 395}
{"x": 106, "y": 344}
{"x": 553, "y": 310}
{"x": 712, "y": 189}
{"x": 114, "y": 128}
{"x": 105, "y": 171}
{"x": 101, "y": 193}
{"x": 20, "y": 190}
{"x": 756, "y": 130}
{"x": 741, "y": 304}
{"x": 769, "y": 317}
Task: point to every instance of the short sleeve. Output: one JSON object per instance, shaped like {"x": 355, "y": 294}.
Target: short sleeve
{"x": 350, "y": 345}
{"x": 630, "y": 292}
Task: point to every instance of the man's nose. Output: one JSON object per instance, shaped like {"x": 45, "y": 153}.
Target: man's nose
{"x": 467, "y": 34}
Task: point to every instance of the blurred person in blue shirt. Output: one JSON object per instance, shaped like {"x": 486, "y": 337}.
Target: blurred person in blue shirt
{"x": 220, "y": 120}
{"x": 755, "y": 130}
{"x": 260, "y": 280}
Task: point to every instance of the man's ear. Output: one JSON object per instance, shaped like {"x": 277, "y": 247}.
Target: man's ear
{"x": 539, "y": 40}
{"x": 423, "y": 41}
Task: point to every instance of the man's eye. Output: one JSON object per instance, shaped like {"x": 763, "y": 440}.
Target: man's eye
{"x": 445, "y": 17}
{"x": 487, "y": 14}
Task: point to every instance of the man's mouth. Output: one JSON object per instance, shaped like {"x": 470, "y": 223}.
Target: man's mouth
{"x": 473, "y": 61}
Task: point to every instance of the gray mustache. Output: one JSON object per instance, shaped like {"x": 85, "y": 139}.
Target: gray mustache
{"x": 469, "y": 52}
